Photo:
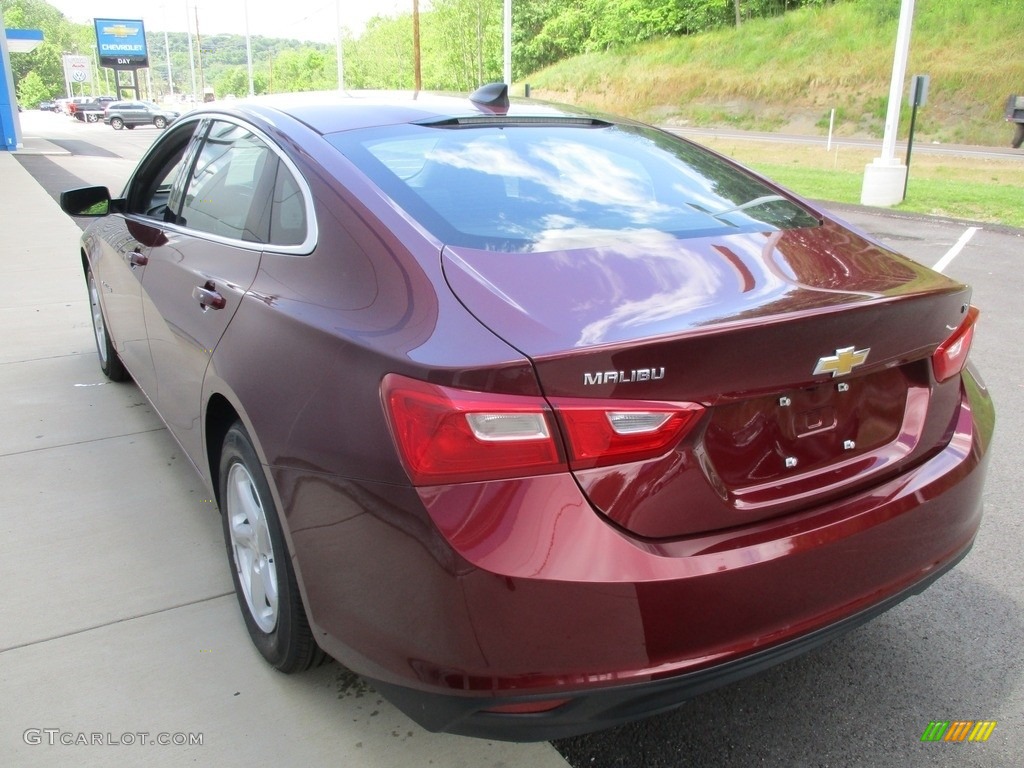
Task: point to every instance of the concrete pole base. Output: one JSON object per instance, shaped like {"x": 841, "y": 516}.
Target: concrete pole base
{"x": 884, "y": 182}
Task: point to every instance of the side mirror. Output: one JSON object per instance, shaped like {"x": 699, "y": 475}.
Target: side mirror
{"x": 88, "y": 201}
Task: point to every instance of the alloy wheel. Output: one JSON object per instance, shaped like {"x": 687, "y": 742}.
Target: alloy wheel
{"x": 252, "y": 548}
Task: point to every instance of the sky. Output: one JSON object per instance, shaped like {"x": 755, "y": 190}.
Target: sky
{"x": 314, "y": 20}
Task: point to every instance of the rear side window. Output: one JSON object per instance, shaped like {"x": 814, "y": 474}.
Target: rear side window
{"x": 230, "y": 187}
{"x": 288, "y": 216}
{"x": 539, "y": 187}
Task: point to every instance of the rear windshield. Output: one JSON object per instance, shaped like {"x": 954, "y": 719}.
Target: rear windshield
{"x": 542, "y": 187}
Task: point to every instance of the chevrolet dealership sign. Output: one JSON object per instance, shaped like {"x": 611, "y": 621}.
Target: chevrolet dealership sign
{"x": 122, "y": 43}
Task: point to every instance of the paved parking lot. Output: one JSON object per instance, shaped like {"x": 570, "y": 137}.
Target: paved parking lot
{"x": 119, "y": 617}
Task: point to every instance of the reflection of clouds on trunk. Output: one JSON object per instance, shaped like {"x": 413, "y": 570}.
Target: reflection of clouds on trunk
{"x": 681, "y": 280}
{"x": 684, "y": 281}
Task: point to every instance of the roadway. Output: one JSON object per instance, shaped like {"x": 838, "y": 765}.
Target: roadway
{"x": 922, "y": 147}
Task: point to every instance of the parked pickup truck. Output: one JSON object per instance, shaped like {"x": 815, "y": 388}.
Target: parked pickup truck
{"x": 1015, "y": 114}
{"x": 89, "y": 108}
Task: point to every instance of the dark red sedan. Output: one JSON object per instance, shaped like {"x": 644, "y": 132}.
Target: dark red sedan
{"x": 540, "y": 420}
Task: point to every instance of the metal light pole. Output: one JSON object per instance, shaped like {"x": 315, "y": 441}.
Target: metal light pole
{"x": 248, "y": 48}
{"x": 899, "y": 73}
{"x": 886, "y": 177}
{"x": 95, "y": 80}
{"x": 167, "y": 53}
{"x": 191, "y": 50}
{"x": 199, "y": 45}
{"x": 341, "y": 64}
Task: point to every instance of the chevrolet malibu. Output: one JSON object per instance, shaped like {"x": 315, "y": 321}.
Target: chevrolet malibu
{"x": 540, "y": 420}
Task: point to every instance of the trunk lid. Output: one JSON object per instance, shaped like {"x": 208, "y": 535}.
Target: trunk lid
{"x": 810, "y": 349}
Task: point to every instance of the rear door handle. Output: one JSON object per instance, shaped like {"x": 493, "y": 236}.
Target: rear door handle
{"x": 208, "y": 297}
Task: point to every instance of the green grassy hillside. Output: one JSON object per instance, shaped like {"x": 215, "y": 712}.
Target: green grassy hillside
{"x": 789, "y": 72}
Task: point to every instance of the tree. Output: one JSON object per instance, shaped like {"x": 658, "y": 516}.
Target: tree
{"x": 382, "y": 57}
{"x": 32, "y": 90}
{"x": 234, "y": 81}
{"x": 465, "y": 37}
{"x": 59, "y": 35}
{"x": 304, "y": 69}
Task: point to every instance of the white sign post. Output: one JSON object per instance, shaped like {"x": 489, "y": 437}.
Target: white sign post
{"x": 77, "y": 69}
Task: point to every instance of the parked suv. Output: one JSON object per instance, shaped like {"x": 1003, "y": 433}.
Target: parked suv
{"x": 121, "y": 114}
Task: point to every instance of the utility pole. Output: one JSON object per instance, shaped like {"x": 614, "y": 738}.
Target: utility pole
{"x": 479, "y": 46}
{"x": 417, "y": 71}
{"x": 507, "y": 43}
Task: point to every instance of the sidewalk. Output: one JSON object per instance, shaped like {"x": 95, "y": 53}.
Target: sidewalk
{"x": 33, "y": 145}
{"x": 119, "y": 621}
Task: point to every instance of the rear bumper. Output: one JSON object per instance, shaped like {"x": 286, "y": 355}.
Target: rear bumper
{"x": 460, "y": 599}
{"x": 601, "y": 708}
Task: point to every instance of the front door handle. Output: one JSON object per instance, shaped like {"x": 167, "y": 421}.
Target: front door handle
{"x": 208, "y": 297}
{"x": 136, "y": 259}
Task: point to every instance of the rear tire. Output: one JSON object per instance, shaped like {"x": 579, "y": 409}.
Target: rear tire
{"x": 1018, "y": 136}
{"x": 261, "y": 569}
{"x": 160, "y": 122}
{"x": 110, "y": 363}
{"x": 116, "y": 123}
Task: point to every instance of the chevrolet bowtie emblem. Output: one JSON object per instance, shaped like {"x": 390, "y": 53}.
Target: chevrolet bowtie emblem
{"x": 842, "y": 362}
{"x": 120, "y": 30}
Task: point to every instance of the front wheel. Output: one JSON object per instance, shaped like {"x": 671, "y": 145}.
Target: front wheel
{"x": 110, "y": 363}
{"x": 116, "y": 123}
{"x": 1018, "y": 136}
{"x": 261, "y": 569}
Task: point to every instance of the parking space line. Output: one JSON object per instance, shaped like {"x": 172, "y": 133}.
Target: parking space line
{"x": 953, "y": 252}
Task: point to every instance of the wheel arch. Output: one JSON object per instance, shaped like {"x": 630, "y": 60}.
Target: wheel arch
{"x": 220, "y": 415}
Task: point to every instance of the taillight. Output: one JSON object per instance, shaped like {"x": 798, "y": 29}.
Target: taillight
{"x": 951, "y": 356}
{"x": 447, "y": 435}
{"x": 603, "y": 432}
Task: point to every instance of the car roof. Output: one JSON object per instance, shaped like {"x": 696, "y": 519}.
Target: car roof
{"x": 329, "y": 112}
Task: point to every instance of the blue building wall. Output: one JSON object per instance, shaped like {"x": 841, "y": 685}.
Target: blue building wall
{"x": 10, "y": 126}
